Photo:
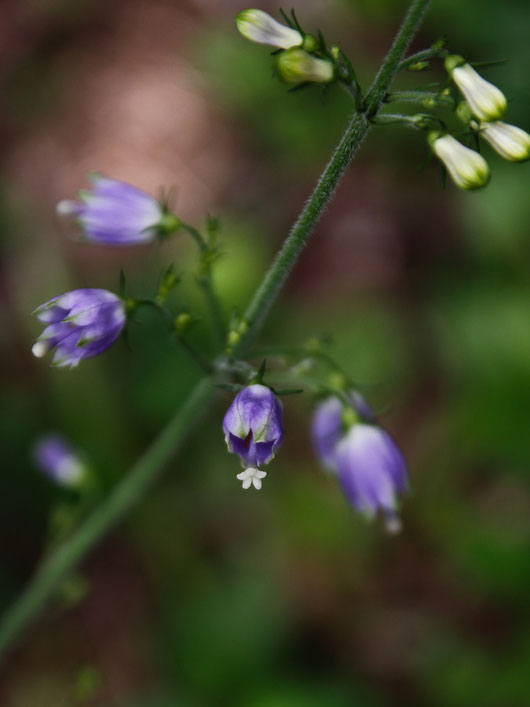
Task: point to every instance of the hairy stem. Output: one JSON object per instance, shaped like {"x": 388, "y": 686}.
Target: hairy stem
{"x": 111, "y": 510}
{"x": 148, "y": 468}
{"x": 330, "y": 178}
{"x": 424, "y": 98}
{"x": 191, "y": 351}
{"x": 205, "y": 281}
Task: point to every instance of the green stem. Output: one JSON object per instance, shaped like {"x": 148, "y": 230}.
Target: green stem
{"x": 423, "y": 55}
{"x": 149, "y": 467}
{"x": 330, "y": 178}
{"x": 112, "y": 509}
{"x": 194, "y": 355}
{"x": 425, "y": 98}
{"x": 205, "y": 280}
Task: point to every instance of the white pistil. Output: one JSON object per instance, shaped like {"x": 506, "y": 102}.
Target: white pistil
{"x": 252, "y": 477}
{"x": 66, "y": 207}
{"x": 40, "y": 349}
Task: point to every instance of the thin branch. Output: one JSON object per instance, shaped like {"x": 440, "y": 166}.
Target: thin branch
{"x": 149, "y": 467}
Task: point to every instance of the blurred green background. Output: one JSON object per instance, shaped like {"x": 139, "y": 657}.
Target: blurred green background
{"x": 207, "y": 595}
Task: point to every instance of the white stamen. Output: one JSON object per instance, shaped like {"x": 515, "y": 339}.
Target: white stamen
{"x": 393, "y": 524}
{"x": 40, "y": 349}
{"x": 70, "y": 471}
{"x": 252, "y": 477}
{"x": 66, "y": 207}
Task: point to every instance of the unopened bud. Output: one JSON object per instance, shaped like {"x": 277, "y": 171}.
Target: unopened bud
{"x": 485, "y": 100}
{"x": 234, "y": 337}
{"x": 260, "y": 27}
{"x": 297, "y": 66}
{"x": 509, "y": 141}
{"x": 183, "y": 322}
{"x": 467, "y": 168}
{"x": 419, "y": 66}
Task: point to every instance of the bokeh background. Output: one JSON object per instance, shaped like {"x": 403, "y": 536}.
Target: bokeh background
{"x": 207, "y": 595}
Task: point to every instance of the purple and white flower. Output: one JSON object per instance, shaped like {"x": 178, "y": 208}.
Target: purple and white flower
{"x": 118, "y": 214}
{"x": 372, "y": 471}
{"x": 56, "y": 458}
{"x": 80, "y": 324}
{"x": 328, "y": 425}
{"x": 253, "y": 428}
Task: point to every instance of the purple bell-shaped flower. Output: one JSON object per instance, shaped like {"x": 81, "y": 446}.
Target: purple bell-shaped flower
{"x": 253, "y": 426}
{"x": 80, "y": 324}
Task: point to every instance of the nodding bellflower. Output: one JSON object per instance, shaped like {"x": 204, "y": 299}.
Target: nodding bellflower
{"x": 253, "y": 429}
{"x": 297, "y": 66}
{"x": 487, "y": 102}
{"x": 328, "y": 425}
{"x": 117, "y": 214}
{"x": 80, "y": 324}
{"x": 372, "y": 472}
{"x": 467, "y": 168}
{"x": 56, "y": 458}
{"x": 260, "y": 27}
{"x": 368, "y": 463}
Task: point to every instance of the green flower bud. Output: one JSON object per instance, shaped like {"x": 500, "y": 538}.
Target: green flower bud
{"x": 419, "y": 66}
{"x": 168, "y": 224}
{"x": 310, "y": 43}
{"x": 297, "y": 66}
{"x": 183, "y": 322}
{"x": 485, "y": 100}
{"x": 467, "y": 168}
{"x": 234, "y": 337}
{"x": 463, "y": 113}
{"x": 260, "y": 27}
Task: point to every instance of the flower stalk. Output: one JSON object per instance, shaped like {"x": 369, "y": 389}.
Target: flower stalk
{"x": 157, "y": 457}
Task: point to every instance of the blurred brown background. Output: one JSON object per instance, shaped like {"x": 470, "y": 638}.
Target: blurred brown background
{"x": 207, "y": 595}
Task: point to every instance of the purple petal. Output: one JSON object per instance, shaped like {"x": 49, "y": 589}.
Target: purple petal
{"x": 326, "y": 430}
{"x": 371, "y": 468}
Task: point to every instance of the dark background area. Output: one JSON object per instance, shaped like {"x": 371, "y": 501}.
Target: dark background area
{"x": 208, "y": 595}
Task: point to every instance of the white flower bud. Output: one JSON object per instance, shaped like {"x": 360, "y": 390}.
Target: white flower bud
{"x": 486, "y": 101}
{"x": 260, "y": 27}
{"x": 467, "y": 168}
{"x": 297, "y": 66}
{"x": 508, "y": 141}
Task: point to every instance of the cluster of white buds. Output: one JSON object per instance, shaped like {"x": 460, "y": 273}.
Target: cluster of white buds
{"x": 484, "y": 106}
{"x": 295, "y": 62}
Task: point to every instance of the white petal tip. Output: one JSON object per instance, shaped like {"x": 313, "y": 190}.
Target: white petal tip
{"x": 66, "y": 207}
{"x": 393, "y": 525}
{"x": 39, "y": 349}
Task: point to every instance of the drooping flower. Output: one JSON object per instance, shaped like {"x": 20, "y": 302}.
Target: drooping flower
{"x": 372, "y": 471}
{"x": 297, "y": 66}
{"x": 487, "y": 102}
{"x": 508, "y": 141}
{"x": 467, "y": 168}
{"x": 56, "y": 458}
{"x": 253, "y": 425}
{"x": 328, "y": 425}
{"x": 80, "y": 324}
{"x": 260, "y": 27}
{"x": 118, "y": 214}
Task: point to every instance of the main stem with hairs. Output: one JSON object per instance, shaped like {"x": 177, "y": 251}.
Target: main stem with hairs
{"x": 157, "y": 457}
